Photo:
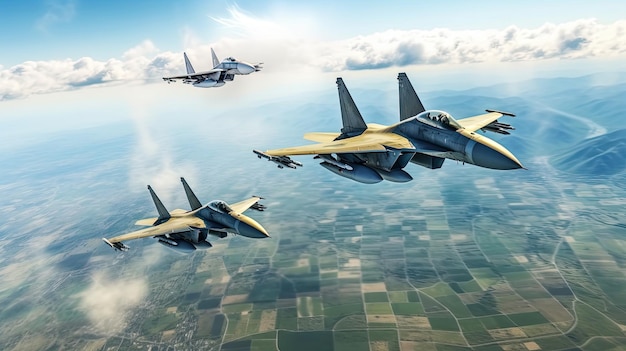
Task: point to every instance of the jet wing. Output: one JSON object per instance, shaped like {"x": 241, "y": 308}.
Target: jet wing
{"x": 366, "y": 142}
{"x": 147, "y": 221}
{"x": 195, "y": 76}
{"x": 242, "y": 206}
{"x": 152, "y": 220}
{"x": 321, "y": 137}
{"x": 174, "y": 225}
{"x": 472, "y": 124}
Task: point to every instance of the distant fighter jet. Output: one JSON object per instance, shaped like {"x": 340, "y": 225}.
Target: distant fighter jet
{"x": 221, "y": 73}
{"x": 373, "y": 152}
{"x": 187, "y": 230}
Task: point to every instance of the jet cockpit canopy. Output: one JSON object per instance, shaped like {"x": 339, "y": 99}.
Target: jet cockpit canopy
{"x": 439, "y": 119}
{"x": 220, "y": 206}
{"x": 231, "y": 59}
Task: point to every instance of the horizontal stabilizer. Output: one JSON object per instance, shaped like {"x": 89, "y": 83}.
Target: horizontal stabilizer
{"x": 118, "y": 246}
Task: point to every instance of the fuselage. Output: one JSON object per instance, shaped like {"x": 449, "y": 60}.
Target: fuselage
{"x": 218, "y": 220}
{"x": 433, "y": 141}
{"x": 219, "y": 212}
{"x": 370, "y": 153}
{"x": 426, "y": 139}
{"x": 456, "y": 144}
{"x": 230, "y": 67}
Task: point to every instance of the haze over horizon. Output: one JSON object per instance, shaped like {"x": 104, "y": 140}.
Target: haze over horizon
{"x": 68, "y": 45}
{"x": 460, "y": 256}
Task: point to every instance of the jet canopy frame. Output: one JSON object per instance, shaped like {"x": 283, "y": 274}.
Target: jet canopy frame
{"x": 220, "y": 206}
{"x": 438, "y": 119}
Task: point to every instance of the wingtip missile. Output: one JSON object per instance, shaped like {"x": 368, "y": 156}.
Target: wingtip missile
{"x": 281, "y": 161}
{"x": 116, "y": 246}
{"x": 502, "y": 112}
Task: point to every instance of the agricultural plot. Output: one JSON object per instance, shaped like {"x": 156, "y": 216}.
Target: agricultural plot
{"x": 439, "y": 276}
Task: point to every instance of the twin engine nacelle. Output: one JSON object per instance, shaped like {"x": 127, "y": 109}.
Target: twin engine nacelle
{"x": 364, "y": 174}
{"x": 185, "y": 242}
{"x": 178, "y": 245}
{"x": 208, "y": 83}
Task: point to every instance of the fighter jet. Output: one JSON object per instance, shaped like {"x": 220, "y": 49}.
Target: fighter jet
{"x": 369, "y": 153}
{"x": 221, "y": 72}
{"x": 187, "y": 231}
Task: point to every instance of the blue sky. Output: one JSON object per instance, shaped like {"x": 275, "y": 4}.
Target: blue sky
{"x": 58, "y": 29}
{"x": 56, "y": 45}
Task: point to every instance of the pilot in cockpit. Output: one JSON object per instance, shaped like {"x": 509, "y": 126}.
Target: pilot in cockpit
{"x": 220, "y": 206}
{"x": 441, "y": 119}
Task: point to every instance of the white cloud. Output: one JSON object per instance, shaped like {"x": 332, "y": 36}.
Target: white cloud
{"x": 146, "y": 48}
{"x": 58, "y": 11}
{"x": 38, "y": 77}
{"x": 151, "y": 161}
{"x": 247, "y": 25}
{"x": 572, "y": 40}
{"x": 108, "y": 302}
{"x": 286, "y": 47}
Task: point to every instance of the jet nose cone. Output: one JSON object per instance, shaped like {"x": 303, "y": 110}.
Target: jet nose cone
{"x": 245, "y": 68}
{"x": 250, "y": 228}
{"x": 494, "y": 157}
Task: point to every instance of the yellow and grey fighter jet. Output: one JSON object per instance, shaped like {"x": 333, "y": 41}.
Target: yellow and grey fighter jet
{"x": 188, "y": 230}
{"x": 369, "y": 153}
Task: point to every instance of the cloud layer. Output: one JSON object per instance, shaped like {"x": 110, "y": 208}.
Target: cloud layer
{"x": 585, "y": 38}
{"x": 107, "y": 302}
{"x": 579, "y": 39}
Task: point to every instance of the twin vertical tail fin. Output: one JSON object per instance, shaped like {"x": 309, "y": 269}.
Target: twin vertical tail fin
{"x": 410, "y": 104}
{"x": 353, "y": 123}
{"x": 164, "y": 214}
{"x": 193, "y": 199}
{"x": 216, "y": 61}
{"x": 188, "y": 65}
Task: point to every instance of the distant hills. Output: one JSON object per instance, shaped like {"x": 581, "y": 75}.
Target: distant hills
{"x": 604, "y": 155}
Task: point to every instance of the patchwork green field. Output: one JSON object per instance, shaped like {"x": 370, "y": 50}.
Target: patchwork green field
{"x": 461, "y": 258}
{"x": 438, "y": 275}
